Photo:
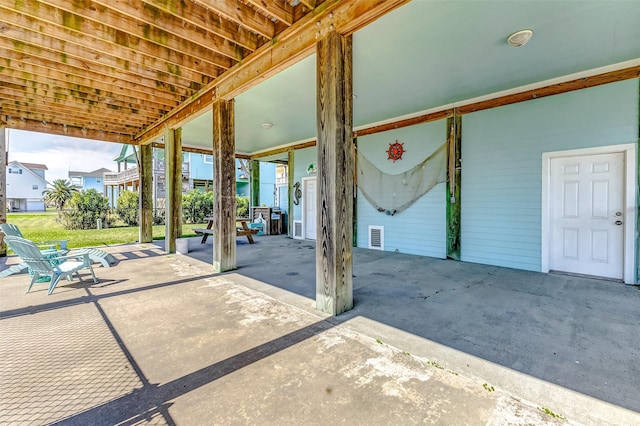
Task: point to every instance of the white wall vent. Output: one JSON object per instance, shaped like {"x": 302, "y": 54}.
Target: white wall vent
{"x": 297, "y": 229}
{"x": 376, "y": 237}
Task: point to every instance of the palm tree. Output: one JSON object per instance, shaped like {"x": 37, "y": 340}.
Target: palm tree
{"x": 61, "y": 192}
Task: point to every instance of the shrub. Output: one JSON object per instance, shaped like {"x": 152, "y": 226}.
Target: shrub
{"x": 127, "y": 208}
{"x": 84, "y": 210}
{"x": 196, "y": 206}
{"x": 242, "y": 206}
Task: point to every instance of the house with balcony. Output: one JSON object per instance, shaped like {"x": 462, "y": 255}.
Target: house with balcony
{"x": 197, "y": 173}
{"x": 25, "y": 183}
{"x": 89, "y": 180}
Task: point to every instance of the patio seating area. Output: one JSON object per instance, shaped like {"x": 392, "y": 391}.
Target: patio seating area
{"x": 163, "y": 340}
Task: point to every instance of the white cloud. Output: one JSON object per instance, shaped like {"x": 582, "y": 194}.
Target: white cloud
{"x": 61, "y": 154}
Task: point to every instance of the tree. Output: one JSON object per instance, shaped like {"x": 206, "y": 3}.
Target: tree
{"x": 61, "y": 192}
{"x": 128, "y": 206}
{"x": 85, "y": 208}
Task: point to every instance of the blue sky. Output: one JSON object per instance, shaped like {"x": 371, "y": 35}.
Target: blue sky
{"x": 60, "y": 153}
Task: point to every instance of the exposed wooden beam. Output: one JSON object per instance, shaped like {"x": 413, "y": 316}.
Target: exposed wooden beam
{"x": 20, "y": 102}
{"x": 282, "y": 11}
{"x": 553, "y": 89}
{"x": 254, "y": 167}
{"x": 127, "y": 71}
{"x": 146, "y": 194}
{"x": 173, "y": 188}
{"x": 454, "y": 181}
{"x": 224, "y": 181}
{"x": 336, "y": 165}
{"x": 310, "y": 4}
{"x": 58, "y": 129}
{"x": 26, "y": 96}
{"x": 157, "y": 26}
{"x": 283, "y": 150}
{"x": 291, "y": 46}
{"x": 424, "y": 118}
{"x": 64, "y": 26}
{"x": 204, "y": 18}
{"x": 35, "y": 89}
{"x": 96, "y": 81}
{"x": 145, "y": 100}
{"x": 241, "y": 14}
{"x": 45, "y": 115}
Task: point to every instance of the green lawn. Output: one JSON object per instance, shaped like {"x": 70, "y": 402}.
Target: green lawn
{"x": 43, "y": 227}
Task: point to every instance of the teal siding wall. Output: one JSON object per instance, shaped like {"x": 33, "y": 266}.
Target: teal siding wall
{"x": 267, "y": 183}
{"x": 502, "y": 165}
{"x": 421, "y": 229}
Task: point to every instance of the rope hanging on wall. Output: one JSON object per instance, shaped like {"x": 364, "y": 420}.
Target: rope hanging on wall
{"x": 391, "y": 194}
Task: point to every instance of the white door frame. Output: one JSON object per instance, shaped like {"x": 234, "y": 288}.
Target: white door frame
{"x": 629, "y": 196}
{"x": 303, "y": 205}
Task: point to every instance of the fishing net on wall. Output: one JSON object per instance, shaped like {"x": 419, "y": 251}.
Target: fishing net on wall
{"x": 391, "y": 194}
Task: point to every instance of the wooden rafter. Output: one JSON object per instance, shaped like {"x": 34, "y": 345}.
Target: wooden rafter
{"x": 114, "y": 69}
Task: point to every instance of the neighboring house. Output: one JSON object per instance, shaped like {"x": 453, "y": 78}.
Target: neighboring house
{"x": 197, "y": 173}
{"x": 25, "y": 183}
{"x": 89, "y": 180}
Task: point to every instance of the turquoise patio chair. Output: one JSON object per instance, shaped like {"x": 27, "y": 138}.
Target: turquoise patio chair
{"x": 41, "y": 265}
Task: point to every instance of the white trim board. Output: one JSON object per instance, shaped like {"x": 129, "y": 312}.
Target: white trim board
{"x": 631, "y": 209}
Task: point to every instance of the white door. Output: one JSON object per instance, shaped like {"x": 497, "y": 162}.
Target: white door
{"x": 309, "y": 203}
{"x": 587, "y": 215}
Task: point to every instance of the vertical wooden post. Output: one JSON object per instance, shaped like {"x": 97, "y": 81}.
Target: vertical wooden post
{"x": 3, "y": 184}
{"x": 254, "y": 168}
{"x": 290, "y": 183}
{"x": 224, "y": 181}
{"x": 173, "y": 189}
{"x": 334, "y": 244}
{"x": 454, "y": 145}
{"x": 146, "y": 194}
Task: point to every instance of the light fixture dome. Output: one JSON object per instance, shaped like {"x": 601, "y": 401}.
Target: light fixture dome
{"x": 267, "y": 126}
{"x": 520, "y": 38}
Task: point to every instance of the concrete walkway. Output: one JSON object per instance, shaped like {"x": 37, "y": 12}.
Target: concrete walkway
{"x": 162, "y": 340}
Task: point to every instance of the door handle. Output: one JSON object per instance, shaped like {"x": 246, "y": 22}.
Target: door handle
{"x": 618, "y": 222}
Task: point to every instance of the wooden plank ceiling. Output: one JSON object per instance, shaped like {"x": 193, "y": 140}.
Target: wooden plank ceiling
{"x": 109, "y": 69}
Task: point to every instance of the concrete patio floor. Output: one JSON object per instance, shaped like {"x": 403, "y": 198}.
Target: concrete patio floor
{"x": 162, "y": 340}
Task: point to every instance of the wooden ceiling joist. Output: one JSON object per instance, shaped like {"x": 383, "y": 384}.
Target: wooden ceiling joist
{"x": 205, "y": 18}
{"x": 109, "y": 69}
{"x": 294, "y": 44}
{"x": 63, "y": 130}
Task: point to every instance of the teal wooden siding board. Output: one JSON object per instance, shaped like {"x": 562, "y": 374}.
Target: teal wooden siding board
{"x": 502, "y": 165}
{"x": 421, "y": 229}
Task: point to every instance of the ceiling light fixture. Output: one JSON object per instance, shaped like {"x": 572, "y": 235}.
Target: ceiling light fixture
{"x": 267, "y": 126}
{"x": 520, "y": 38}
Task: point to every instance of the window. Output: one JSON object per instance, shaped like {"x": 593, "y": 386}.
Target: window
{"x": 14, "y": 171}
{"x": 208, "y": 159}
{"x": 34, "y": 186}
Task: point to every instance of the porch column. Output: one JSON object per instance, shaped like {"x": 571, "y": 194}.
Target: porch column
{"x": 173, "y": 193}
{"x": 3, "y": 184}
{"x": 454, "y": 146}
{"x": 224, "y": 187}
{"x": 146, "y": 194}
{"x": 254, "y": 168}
{"x": 334, "y": 262}
{"x": 290, "y": 183}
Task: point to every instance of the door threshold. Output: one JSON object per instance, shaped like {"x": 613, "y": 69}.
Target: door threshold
{"x": 594, "y": 277}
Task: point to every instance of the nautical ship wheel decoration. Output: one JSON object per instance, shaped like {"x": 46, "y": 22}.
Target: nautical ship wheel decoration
{"x": 395, "y": 151}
